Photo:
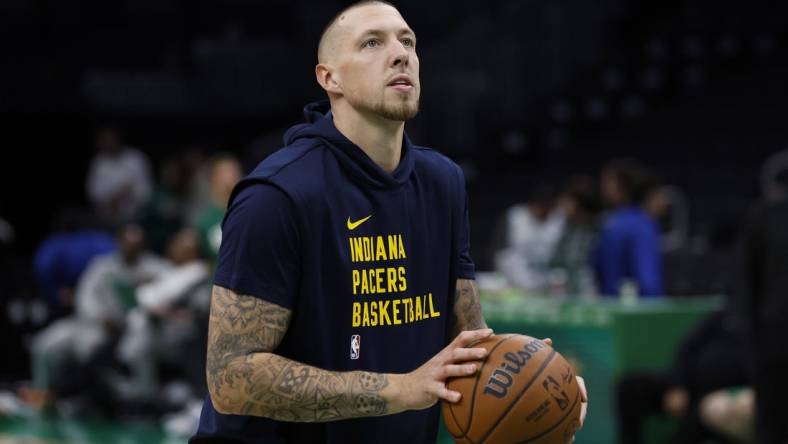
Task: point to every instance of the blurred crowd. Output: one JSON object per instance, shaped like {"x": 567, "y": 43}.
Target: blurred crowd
{"x": 587, "y": 240}
{"x": 126, "y": 283}
{"x": 609, "y": 237}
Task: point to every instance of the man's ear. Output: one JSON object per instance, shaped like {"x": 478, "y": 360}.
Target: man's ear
{"x": 325, "y": 77}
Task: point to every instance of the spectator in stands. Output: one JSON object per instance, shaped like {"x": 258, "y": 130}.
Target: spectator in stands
{"x": 64, "y": 354}
{"x": 762, "y": 290}
{"x": 169, "y": 323}
{"x": 656, "y": 203}
{"x": 166, "y": 211}
{"x": 703, "y": 365}
{"x": 63, "y": 256}
{"x": 628, "y": 253}
{"x": 571, "y": 269}
{"x": 224, "y": 171}
{"x": 668, "y": 206}
{"x": 531, "y": 232}
{"x": 169, "y": 329}
{"x": 119, "y": 180}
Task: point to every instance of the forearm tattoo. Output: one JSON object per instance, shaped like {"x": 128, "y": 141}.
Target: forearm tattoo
{"x": 467, "y": 309}
{"x": 245, "y": 378}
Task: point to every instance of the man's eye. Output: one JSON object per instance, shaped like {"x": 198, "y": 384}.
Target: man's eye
{"x": 408, "y": 43}
{"x": 371, "y": 43}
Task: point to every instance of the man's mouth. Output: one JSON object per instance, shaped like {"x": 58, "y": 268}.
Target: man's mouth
{"x": 401, "y": 83}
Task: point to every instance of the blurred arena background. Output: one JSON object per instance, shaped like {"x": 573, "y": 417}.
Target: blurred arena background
{"x": 541, "y": 102}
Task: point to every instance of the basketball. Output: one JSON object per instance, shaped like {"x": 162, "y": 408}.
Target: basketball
{"x": 524, "y": 392}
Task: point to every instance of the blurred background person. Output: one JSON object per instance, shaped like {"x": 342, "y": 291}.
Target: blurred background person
{"x": 572, "y": 272}
{"x": 530, "y": 233}
{"x": 764, "y": 292}
{"x": 119, "y": 179}
{"x": 66, "y": 355}
{"x": 224, "y": 171}
{"x": 168, "y": 329}
{"x": 704, "y": 364}
{"x": 167, "y": 209}
{"x": 629, "y": 252}
{"x": 667, "y": 205}
{"x": 62, "y": 256}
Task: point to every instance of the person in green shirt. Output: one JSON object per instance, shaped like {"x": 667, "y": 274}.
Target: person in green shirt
{"x": 165, "y": 213}
{"x": 224, "y": 171}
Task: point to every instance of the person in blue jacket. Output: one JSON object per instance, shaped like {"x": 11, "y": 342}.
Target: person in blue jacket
{"x": 343, "y": 296}
{"x": 629, "y": 241}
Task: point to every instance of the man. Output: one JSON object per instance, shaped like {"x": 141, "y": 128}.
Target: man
{"x": 345, "y": 264}
{"x": 224, "y": 171}
{"x": 702, "y": 366}
{"x": 119, "y": 180}
{"x": 762, "y": 289}
{"x": 628, "y": 251}
{"x": 165, "y": 326}
{"x": 532, "y": 233}
{"x": 572, "y": 254}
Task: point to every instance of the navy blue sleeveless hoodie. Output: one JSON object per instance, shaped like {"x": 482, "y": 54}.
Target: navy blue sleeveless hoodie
{"x": 366, "y": 260}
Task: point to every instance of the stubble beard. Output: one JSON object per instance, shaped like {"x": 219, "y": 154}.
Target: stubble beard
{"x": 398, "y": 109}
{"x": 400, "y": 112}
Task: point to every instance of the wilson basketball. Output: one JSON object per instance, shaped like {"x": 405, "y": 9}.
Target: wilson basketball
{"x": 525, "y": 392}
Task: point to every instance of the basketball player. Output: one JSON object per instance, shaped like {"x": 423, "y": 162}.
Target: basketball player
{"x": 345, "y": 264}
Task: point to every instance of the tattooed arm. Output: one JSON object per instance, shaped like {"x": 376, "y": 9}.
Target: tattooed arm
{"x": 467, "y": 313}
{"x": 245, "y": 378}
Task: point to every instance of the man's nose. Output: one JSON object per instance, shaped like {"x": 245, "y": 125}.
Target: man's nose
{"x": 401, "y": 55}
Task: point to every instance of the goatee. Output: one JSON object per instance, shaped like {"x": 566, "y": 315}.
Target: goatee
{"x": 400, "y": 112}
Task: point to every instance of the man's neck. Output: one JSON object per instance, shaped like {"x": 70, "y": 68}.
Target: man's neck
{"x": 379, "y": 138}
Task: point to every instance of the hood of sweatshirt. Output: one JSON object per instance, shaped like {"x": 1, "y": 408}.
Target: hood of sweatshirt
{"x": 320, "y": 125}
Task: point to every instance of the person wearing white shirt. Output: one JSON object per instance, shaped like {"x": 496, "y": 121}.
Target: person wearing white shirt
{"x": 119, "y": 180}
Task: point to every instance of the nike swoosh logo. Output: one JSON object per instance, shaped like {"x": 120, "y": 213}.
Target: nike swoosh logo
{"x": 353, "y": 225}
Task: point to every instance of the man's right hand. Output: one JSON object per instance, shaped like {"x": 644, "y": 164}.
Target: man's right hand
{"x": 424, "y": 386}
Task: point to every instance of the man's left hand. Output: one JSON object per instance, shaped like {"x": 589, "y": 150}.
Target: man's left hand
{"x": 581, "y": 383}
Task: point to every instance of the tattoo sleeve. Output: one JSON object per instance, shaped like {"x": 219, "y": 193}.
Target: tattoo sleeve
{"x": 245, "y": 378}
{"x": 467, "y": 309}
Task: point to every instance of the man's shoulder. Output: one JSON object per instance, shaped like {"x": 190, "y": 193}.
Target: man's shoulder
{"x": 433, "y": 159}
{"x": 295, "y": 170}
{"x": 438, "y": 167}
{"x": 291, "y": 160}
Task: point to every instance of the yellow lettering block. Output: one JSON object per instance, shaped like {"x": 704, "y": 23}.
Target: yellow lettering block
{"x": 380, "y": 249}
{"x": 395, "y": 311}
{"x": 403, "y": 283}
{"x": 356, "y": 278}
{"x": 379, "y": 274}
{"x": 391, "y": 280}
{"x": 384, "y": 313}
{"x": 365, "y": 316}
{"x": 356, "y": 314}
{"x": 373, "y": 313}
{"x": 433, "y": 313}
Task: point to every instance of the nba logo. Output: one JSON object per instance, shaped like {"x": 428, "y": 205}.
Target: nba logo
{"x": 355, "y": 346}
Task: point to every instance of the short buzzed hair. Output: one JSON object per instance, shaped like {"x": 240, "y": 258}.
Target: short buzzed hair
{"x": 321, "y": 46}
